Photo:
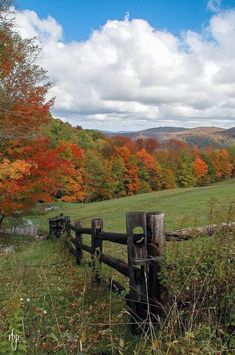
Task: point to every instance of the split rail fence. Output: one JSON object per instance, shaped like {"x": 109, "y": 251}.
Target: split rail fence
{"x": 143, "y": 248}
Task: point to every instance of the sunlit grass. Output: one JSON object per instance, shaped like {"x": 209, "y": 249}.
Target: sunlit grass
{"x": 182, "y": 207}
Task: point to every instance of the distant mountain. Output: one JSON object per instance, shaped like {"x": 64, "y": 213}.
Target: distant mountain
{"x": 156, "y": 132}
{"x": 200, "y": 136}
{"x": 230, "y": 131}
{"x": 110, "y": 134}
{"x": 150, "y": 132}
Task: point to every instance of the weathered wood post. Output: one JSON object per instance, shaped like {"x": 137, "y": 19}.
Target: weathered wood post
{"x": 78, "y": 242}
{"x": 156, "y": 247}
{"x": 66, "y": 223}
{"x": 96, "y": 245}
{"x": 138, "y": 269}
{"x": 50, "y": 227}
{"x": 67, "y": 231}
{"x": 53, "y": 226}
{"x": 56, "y": 226}
{"x": 61, "y": 225}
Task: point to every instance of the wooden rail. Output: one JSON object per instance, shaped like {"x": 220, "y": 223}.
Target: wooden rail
{"x": 143, "y": 252}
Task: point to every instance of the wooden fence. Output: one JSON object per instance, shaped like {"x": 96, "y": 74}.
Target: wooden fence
{"x": 144, "y": 248}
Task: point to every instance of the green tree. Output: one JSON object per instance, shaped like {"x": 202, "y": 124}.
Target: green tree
{"x": 118, "y": 171}
{"x": 96, "y": 178}
{"x": 185, "y": 175}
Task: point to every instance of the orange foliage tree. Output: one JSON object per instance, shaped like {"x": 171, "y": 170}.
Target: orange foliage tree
{"x": 150, "y": 171}
{"x": 200, "y": 169}
{"x": 32, "y": 172}
{"x": 73, "y": 183}
{"x": 30, "y": 169}
{"x": 130, "y": 178}
{"x": 221, "y": 162}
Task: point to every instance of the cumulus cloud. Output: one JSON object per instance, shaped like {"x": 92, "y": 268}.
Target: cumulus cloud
{"x": 128, "y": 75}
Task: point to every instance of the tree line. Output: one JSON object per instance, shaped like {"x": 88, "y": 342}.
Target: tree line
{"x": 112, "y": 167}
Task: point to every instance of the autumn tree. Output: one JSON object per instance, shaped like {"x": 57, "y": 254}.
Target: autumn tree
{"x": 33, "y": 172}
{"x": 123, "y": 141}
{"x": 10, "y": 176}
{"x": 72, "y": 187}
{"x": 232, "y": 158}
{"x": 34, "y": 167}
{"x": 168, "y": 179}
{"x": 5, "y": 40}
{"x": 96, "y": 177}
{"x": 130, "y": 178}
{"x": 22, "y": 95}
{"x": 148, "y": 144}
{"x": 150, "y": 171}
{"x": 221, "y": 162}
{"x": 23, "y": 84}
{"x": 200, "y": 170}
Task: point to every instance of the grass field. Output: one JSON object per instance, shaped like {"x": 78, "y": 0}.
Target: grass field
{"x": 56, "y": 309}
{"x": 182, "y": 207}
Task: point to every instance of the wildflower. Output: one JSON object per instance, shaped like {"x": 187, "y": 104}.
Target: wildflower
{"x": 28, "y": 300}
{"x": 44, "y": 311}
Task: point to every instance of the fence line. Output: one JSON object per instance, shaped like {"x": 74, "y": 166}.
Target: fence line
{"x": 143, "y": 252}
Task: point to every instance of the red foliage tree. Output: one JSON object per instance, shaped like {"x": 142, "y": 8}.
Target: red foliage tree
{"x": 43, "y": 177}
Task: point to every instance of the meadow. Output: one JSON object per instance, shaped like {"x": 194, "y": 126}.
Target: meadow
{"x": 182, "y": 207}
{"x": 54, "y": 306}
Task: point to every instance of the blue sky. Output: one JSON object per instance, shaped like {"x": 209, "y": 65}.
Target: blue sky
{"x": 79, "y": 18}
{"x": 168, "y": 63}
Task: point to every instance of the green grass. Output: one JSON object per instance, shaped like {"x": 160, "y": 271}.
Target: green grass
{"x": 182, "y": 207}
{"x": 50, "y": 303}
{"x": 55, "y": 308}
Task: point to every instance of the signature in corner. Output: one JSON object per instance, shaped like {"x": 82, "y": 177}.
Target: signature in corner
{"x": 14, "y": 339}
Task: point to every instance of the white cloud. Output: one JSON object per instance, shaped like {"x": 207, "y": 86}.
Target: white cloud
{"x": 214, "y": 5}
{"x": 30, "y": 25}
{"x": 128, "y": 75}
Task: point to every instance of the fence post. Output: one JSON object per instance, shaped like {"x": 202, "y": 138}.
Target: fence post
{"x": 96, "y": 245}
{"x": 156, "y": 246}
{"x": 53, "y": 227}
{"x": 62, "y": 223}
{"x": 67, "y": 231}
{"x": 78, "y": 242}
{"x": 56, "y": 226}
{"x": 138, "y": 269}
{"x": 50, "y": 227}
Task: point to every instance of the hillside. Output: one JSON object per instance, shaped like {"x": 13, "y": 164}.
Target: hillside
{"x": 200, "y": 136}
{"x": 155, "y": 132}
{"x": 182, "y": 207}
{"x": 231, "y": 131}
